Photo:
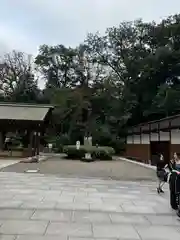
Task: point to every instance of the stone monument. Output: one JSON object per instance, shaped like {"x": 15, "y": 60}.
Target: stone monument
{"x": 88, "y": 142}
{"x": 78, "y": 145}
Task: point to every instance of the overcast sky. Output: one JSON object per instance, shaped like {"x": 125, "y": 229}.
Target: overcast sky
{"x": 26, "y": 24}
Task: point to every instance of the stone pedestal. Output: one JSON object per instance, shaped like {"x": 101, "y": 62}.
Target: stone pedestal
{"x": 87, "y": 141}
{"x": 1, "y": 141}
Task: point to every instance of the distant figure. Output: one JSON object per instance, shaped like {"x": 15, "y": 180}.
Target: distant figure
{"x": 50, "y": 146}
{"x": 161, "y": 172}
{"x": 172, "y": 164}
{"x": 177, "y": 161}
{"x": 7, "y": 143}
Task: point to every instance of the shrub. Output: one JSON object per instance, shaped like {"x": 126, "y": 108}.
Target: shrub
{"x": 102, "y": 153}
{"x": 105, "y": 138}
{"x": 58, "y": 142}
{"x": 118, "y": 145}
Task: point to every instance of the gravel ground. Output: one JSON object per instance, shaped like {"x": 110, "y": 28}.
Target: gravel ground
{"x": 116, "y": 170}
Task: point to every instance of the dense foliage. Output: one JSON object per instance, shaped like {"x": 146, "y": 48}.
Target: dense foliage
{"x": 101, "y": 153}
{"x": 129, "y": 75}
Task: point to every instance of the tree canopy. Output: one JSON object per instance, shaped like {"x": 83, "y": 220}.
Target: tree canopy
{"x": 129, "y": 75}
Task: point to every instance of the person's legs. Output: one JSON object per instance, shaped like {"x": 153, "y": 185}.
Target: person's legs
{"x": 177, "y": 186}
{"x": 178, "y": 211}
{"x": 161, "y": 185}
{"x": 160, "y": 175}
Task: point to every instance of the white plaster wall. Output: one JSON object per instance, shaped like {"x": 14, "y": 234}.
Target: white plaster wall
{"x": 154, "y": 137}
{"x": 164, "y": 136}
{"x": 145, "y": 138}
{"x": 136, "y": 139}
{"x": 175, "y": 137}
{"x": 129, "y": 140}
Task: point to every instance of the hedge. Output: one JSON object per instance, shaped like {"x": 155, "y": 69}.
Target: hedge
{"x": 102, "y": 153}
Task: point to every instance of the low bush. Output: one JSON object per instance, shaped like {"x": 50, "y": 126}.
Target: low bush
{"x": 102, "y": 153}
{"x": 58, "y": 142}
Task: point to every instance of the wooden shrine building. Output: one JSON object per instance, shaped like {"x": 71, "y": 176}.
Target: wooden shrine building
{"x": 146, "y": 140}
{"x": 29, "y": 121}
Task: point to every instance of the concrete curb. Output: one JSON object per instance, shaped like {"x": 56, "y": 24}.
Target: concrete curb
{"x": 5, "y": 163}
{"x": 42, "y": 158}
{"x": 138, "y": 163}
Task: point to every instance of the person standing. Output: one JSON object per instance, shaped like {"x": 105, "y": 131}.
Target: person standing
{"x": 177, "y": 161}
{"x": 161, "y": 173}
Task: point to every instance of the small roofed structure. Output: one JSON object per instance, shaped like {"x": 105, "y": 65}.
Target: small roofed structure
{"x": 29, "y": 121}
{"x": 145, "y": 141}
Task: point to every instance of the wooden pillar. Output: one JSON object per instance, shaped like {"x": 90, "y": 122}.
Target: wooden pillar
{"x": 140, "y": 135}
{"x": 170, "y": 133}
{"x": 31, "y": 139}
{"x": 33, "y": 143}
{"x": 37, "y": 142}
{"x": 1, "y": 141}
{"x": 30, "y": 144}
{"x": 150, "y": 144}
{"x": 159, "y": 137}
{"x": 149, "y": 133}
{"x": 170, "y": 137}
{"x": 133, "y": 136}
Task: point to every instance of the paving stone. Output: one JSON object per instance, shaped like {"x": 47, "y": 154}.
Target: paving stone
{"x": 7, "y": 237}
{"x": 129, "y": 196}
{"x": 163, "y": 209}
{"x": 5, "y": 195}
{"x": 105, "y": 195}
{"x": 19, "y": 192}
{"x": 72, "y": 229}
{"x": 59, "y": 199}
{"x": 87, "y": 189}
{"x": 93, "y": 217}
{"x": 164, "y": 220}
{"x": 10, "y": 204}
{"x": 138, "y": 209}
{"x": 77, "y": 194}
{"x": 115, "y": 231}
{"x": 117, "y": 201}
{"x": 157, "y": 232}
{"x": 145, "y": 203}
{"x": 38, "y": 205}
{"x": 74, "y": 238}
{"x": 28, "y": 197}
{"x": 128, "y": 219}
{"x": 88, "y": 200}
{"x": 105, "y": 207}
{"x": 1, "y": 222}
{"x": 23, "y": 227}
{"x": 73, "y": 206}
{"x": 15, "y": 214}
{"x": 52, "y": 215}
{"x": 26, "y": 237}
{"x": 50, "y": 194}
{"x": 70, "y": 189}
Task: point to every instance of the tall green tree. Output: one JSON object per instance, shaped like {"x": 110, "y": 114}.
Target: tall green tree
{"x": 126, "y": 76}
{"x": 17, "y": 79}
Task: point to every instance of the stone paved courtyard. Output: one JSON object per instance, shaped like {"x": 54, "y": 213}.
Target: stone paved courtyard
{"x": 40, "y": 207}
{"x": 116, "y": 170}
